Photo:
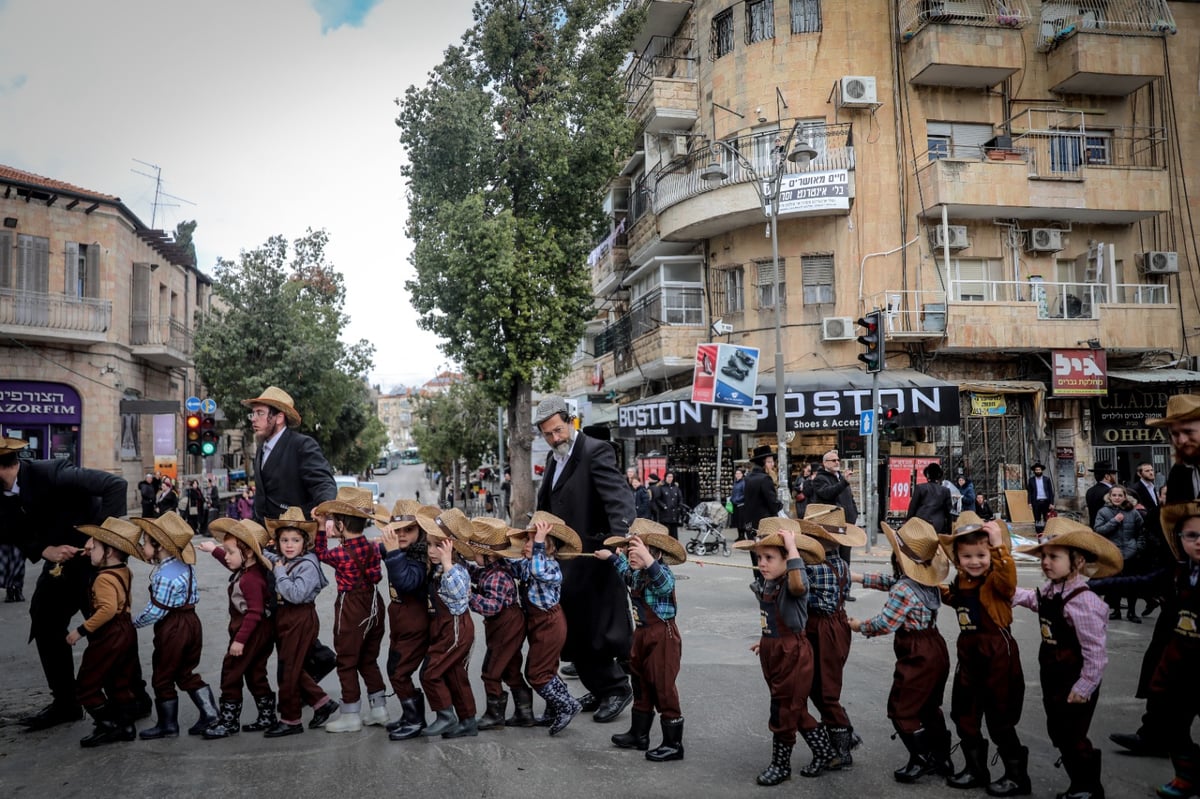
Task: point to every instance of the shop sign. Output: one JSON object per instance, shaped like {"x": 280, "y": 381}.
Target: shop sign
{"x": 988, "y": 405}
{"x": 725, "y": 375}
{"x": 1064, "y": 453}
{"x": 33, "y": 402}
{"x": 814, "y": 191}
{"x": 1120, "y": 417}
{"x": 1079, "y": 373}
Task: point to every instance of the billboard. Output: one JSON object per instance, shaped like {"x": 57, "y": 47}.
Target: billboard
{"x": 725, "y": 375}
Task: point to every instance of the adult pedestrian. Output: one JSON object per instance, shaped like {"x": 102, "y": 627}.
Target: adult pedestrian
{"x": 830, "y": 486}
{"x": 166, "y": 499}
{"x": 1039, "y": 493}
{"x": 214, "y": 503}
{"x": 195, "y": 506}
{"x": 641, "y": 498}
{"x": 931, "y": 501}
{"x": 761, "y": 500}
{"x": 966, "y": 490}
{"x": 1106, "y": 478}
{"x": 147, "y": 490}
{"x": 652, "y": 485}
{"x": 583, "y": 486}
{"x": 669, "y": 504}
{"x": 289, "y": 468}
{"x": 1121, "y": 524}
{"x": 737, "y": 498}
{"x": 802, "y": 490}
{"x": 1155, "y": 553}
{"x": 42, "y": 503}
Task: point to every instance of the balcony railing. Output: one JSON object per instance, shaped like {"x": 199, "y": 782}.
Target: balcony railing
{"x": 680, "y": 180}
{"x": 663, "y": 57}
{"x": 1060, "y": 300}
{"x": 147, "y": 330}
{"x": 54, "y": 311}
{"x": 669, "y": 305}
{"x": 1060, "y": 21}
{"x": 916, "y": 14}
{"x": 640, "y": 200}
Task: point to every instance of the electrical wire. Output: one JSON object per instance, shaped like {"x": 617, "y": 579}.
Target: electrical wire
{"x": 63, "y": 366}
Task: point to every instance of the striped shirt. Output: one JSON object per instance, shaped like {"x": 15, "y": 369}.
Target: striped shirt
{"x": 1087, "y": 613}
{"x": 541, "y": 577}
{"x": 654, "y": 586}
{"x": 903, "y": 610}
{"x": 172, "y": 585}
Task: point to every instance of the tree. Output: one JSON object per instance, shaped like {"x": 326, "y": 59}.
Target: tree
{"x": 452, "y": 427}
{"x": 276, "y": 322}
{"x": 509, "y": 146}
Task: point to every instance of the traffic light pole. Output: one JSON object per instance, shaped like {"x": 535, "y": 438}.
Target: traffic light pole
{"x": 871, "y": 484}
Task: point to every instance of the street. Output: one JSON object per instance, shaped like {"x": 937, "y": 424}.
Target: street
{"x": 724, "y": 702}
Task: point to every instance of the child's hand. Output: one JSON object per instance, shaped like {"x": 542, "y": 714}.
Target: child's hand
{"x": 479, "y": 561}
{"x": 391, "y": 541}
{"x": 856, "y": 577}
{"x": 994, "y": 534}
{"x": 789, "y": 543}
{"x": 73, "y": 637}
{"x": 639, "y": 554}
{"x": 206, "y": 546}
{"x": 855, "y": 625}
{"x": 602, "y": 554}
{"x": 541, "y": 530}
{"x": 330, "y": 529}
{"x": 444, "y": 550}
{"x": 236, "y": 649}
{"x": 754, "y": 648}
{"x": 1076, "y": 699}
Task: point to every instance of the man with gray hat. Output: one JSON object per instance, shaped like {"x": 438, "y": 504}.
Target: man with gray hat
{"x": 583, "y": 487}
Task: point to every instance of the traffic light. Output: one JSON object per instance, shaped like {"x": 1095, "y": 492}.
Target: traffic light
{"x": 889, "y": 420}
{"x": 208, "y": 435}
{"x": 872, "y": 341}
{"x": 193, "y": 433}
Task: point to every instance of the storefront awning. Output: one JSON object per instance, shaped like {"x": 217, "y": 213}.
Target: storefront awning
{"x": 1155, "y": 376}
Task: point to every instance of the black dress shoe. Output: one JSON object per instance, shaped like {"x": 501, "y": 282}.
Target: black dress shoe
{"x": 15, "y": 595}
{"x": 589, "y": 703}
{"x": 52, "y": 715}
{"x": 323, "y": 714}
{"x": 568, "y": 671}
{"x": 1136, "y": 744}
{"x": 282, "y": 729}
{"x": 611, "y": 707}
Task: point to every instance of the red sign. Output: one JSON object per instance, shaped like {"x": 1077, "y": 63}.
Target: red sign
{"x": 1079, "y": 373}
{"x": 1065, "y": 453}
{"x": 902, "y": 475}
{"x": 704, "y": 380}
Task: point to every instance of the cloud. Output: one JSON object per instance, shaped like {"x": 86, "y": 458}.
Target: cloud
{"x": 336, "y": 13}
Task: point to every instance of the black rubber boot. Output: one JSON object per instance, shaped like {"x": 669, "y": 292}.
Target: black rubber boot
{"x": 494, "y": 717}
{"x": 920, "y": 759}
{"x": 168, "y": 721}
{"x": 445, "y": 720}
{"x": 522, "y": 709}
{"x": 975, "y": 770}
{"x": 562, "y": 705}
{"x": 228, "y": 723}
{"x": 672, "y": 742}
{"x": 111, "y": 726}
{"x": 824, "y": 755}
{"x": 844, "y": 739}
{"x": 266, "y": 714}
{"x": 1015, "y": 780}
{"x": 1084, "y": 771}
{"x": 465, "y": 728}
{"x": 638, "y": 736}
{"x": 781, "y": 765}
{"x": 206, "y": 703}
{"x": 412, "y": 719}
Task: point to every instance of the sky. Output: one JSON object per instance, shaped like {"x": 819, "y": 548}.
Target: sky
{"x": 267, "y": 117}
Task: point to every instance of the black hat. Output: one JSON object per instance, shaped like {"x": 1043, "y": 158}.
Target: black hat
{"x": 1038, "y": 465}
{"x": 761, "y": 453}
{"x": 1104, "y": 467}
{"x": 653, "y": 477}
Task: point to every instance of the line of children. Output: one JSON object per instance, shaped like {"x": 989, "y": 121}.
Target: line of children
{"x": 645, "y": 567}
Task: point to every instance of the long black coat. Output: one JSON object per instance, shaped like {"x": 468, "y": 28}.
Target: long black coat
{"x": 296, "y": 473}
{"x": 761, "y": 499}
{"x": 830, "y": 488}
{"x": 54, "y": 497}
{"x": 931, "y": 502}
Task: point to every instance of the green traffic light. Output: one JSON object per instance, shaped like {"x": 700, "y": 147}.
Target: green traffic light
{"x": 208, "y": 448}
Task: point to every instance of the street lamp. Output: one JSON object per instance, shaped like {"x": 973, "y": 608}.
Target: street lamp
{"x": 767, "y": 189}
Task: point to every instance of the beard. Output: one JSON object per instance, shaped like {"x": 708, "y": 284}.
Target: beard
{"x": 563, "y": 449}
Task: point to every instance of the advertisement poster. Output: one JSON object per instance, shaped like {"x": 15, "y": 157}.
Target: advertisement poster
{"x": 1079, "y": 373}
{"x": 726, "y": 375}
{"x": 901, "y": 475}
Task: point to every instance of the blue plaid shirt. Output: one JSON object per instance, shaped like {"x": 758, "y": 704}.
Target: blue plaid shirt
{"x": 453, "y": 588}
{"x": 654, "y": 586}
{"x": 541, "y": 576}
{"x": 172, "y": 585}
{"x": 827, "y": 584}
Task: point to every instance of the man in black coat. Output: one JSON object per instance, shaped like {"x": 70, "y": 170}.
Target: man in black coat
{"x": 42, "y": 503}
{"x": 583, "y": 487}
{"x": 931, "y": 501}
{"x": 289, "y": 469}
{"x": 1039, "y": 493}
{"x": 761, "y": 499}
{"x": 1106, "y": 478}
{"x": 830, "y": 487}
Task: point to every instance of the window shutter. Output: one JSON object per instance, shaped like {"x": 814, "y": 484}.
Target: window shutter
{"x": 6, "y": 246}
{"x": 816, "y": 275}
{"x": 71, "y": 280}
{"x": 141, "y": 290}
{"x": 91, "y": 278}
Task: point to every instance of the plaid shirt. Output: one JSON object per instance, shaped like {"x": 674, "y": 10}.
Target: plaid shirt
{"x": 452, "y": 587}
{"x": 654, "y": 586}
{"x": 541, "y": 576}
{"x": 1087, "y": 613}
{"x": 904, "y": 609}
{"x": 172, "y": 585}
{"x": 356, "y": 563}
{"x": 495, "y": 590}
{"x": 827, "y": 584}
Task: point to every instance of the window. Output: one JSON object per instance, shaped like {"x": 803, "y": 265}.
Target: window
{"x": 760, "y": 20}
{"x": 1097, "y": 147}
{"x": 939, "y": 146}
{"x": 82, "y": 270}
{"x": 806, "y": 16}
{"x": 735, "y": 289}
{"x": 816, "y": 275}
{"x": 722, "y": 34}
{"x": 33, "y": 264}
{"x": 682, "y": 306}
{"x": 1066, "y": 153}
{"x": 977, "y": 280}
{"x": 958, "y": 139}
{"x": 766, "y": 283}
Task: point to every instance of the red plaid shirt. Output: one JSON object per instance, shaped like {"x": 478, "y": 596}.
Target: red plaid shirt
{"x": 356, "y": 563}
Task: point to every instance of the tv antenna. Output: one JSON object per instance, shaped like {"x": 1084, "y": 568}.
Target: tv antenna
{"x": 159, "y": 194}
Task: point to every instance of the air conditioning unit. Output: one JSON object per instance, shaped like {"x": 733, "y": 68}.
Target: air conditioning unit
{"x": 954, "y": 236}
{"x": 1044, "y": 239}
{"x": 1160, "y": 263}
{"x": 856, "y": 91}
{"x": 837, "y": 328}
{"x": 679, "y": 146}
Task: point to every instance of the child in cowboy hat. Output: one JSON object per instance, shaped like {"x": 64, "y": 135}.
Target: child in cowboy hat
{"x": 1074, "y": 638}
{"x": 988, "y": 682}
{"x": 298, "y": 580}
{"x": 828, "y": 634}
{"x": 178, "y": 634}
{"x": 922, "y": 660}
{"x": 451, "y": 629}
{"x": 104, "y": 686}
{"x": 406, "y": 560}
{"x": 358, "y": 609}
{"x": 783, "y": 650}
{"x": 251, "y": 629}
{"x": 534, "y": 554}
{"x": 494, "y": 597}
{"x": 657, "y": 645}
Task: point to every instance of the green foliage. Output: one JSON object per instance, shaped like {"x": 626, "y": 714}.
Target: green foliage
{"x": 276, "y": 321}
{"x": 455, "y": 425}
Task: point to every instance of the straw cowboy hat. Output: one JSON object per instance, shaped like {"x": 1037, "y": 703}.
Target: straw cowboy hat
{"x": 489, "y": 534}
{"x": 172, "y": 533}
{"x": 10, "y": 445}
{"x": 568, "y": 543}
{"x": 969, "y": 522}
{"x": 352, "y": 501}
{"x": 116, "y": 533}
{"x": 1170, "y": 516}
{"x": 1180, "y": 408}
{"x": 918, "y": 551}
{"x": 280, "y": 400}
{"x": 405, "y": 512}
{"x": 829, "y": 522}
{"x": 249, "y": 532}
{"x": 654, "y": 535}
{"x": 1104, "y": 559}
{"x": 810, "y": 549}
{"x": 292, "y": 518}
{"x": 450, "y": 525}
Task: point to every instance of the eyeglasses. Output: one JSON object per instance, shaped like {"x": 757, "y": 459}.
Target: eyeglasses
{"x": 832, "y": 460}
{"x": 258, "y": 414}
{"x": 1190, "y": 536}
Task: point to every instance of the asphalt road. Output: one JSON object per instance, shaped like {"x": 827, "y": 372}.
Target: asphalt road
{"x": 724, "y": 702}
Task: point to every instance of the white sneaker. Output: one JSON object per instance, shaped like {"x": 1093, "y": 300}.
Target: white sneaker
{"x": 345, "y": 722}
{"x": 378, "y": 715}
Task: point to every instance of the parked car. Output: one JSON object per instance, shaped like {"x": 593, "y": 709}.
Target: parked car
{"x": 376, "y": 491}
{"x": 345, "y": 480}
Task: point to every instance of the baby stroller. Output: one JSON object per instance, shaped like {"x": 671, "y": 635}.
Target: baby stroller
{"x": 708, "y": 521}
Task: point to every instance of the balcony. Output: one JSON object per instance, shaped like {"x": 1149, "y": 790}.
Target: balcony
{"x": 662, "y": 18}
{"x": 57, "y": 318}
{"x": 1085, "y": 57}
{"x": 161, "y": 341}
{"x": 1110, "y": 176}
{"x": 689, "y": 209}
{"x": 656, "y": 339}
{"x": 983, "y": 316}
{"x": 962, "y": 43}
{"x": 608, "y": 262}
{"x": 660, "y": 86}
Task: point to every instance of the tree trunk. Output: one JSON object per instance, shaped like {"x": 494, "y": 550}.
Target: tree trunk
{"x": 520, "y": 439}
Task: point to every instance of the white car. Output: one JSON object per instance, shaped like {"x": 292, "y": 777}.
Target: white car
{"x": 345, "y": 481}
{"x": 376, "y": 492}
